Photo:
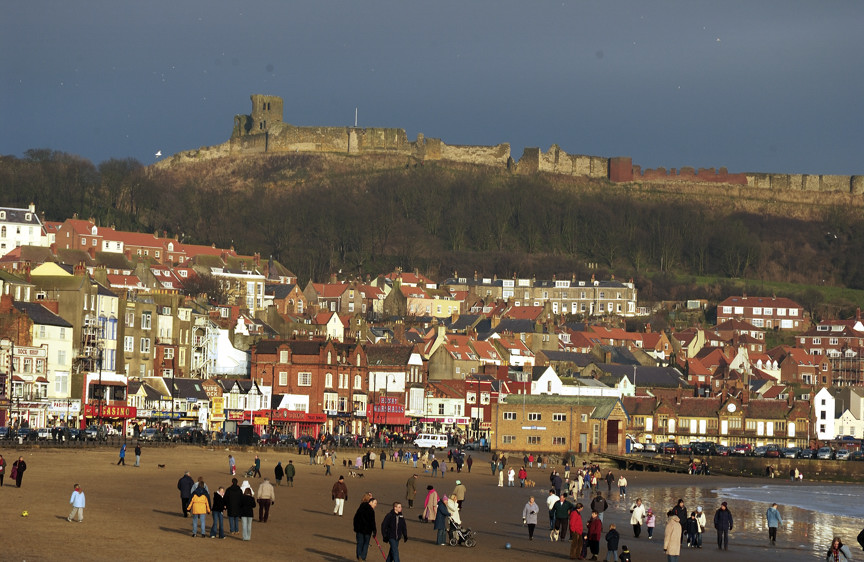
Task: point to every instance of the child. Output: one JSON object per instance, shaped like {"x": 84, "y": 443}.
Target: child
{"x": 625, "y": 554}
{"x": 649, "y": 522}
{"x": 612, "y": 538}
{"x": 691, "y": 527}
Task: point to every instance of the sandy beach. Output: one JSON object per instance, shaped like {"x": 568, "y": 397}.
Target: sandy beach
{"x": 134, "y": 513}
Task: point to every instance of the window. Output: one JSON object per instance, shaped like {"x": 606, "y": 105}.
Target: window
{"x": 129, "y": 343}
{"x": 283, "y": 378}
{"x": 559, "y": 440}
{"x": 358, "y": 381}
{"x": 440, "y": 409}
{"x": 533, "y": 439}
{"x": 169, "y": 353}
{"x": 595, "y": 436}
{"x": 584, "y": 418}
{"x": 508, "y": 439}
{"x": 130, "y": 319}
{"x": 304, "y": 379}
{"x": 510, "y": 416}
{"x": 534, "y": 416}
{"x": 328, "y": 380}
{"x": 559, "y": 417}
{"x": 145, "y": 345}
{"x": 145, "y": 321}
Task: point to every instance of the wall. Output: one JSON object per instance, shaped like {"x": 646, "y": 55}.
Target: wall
{"x": 689, "y": 175}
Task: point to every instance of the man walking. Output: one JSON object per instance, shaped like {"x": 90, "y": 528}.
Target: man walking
{"x": 185, "y": 486}
{"x": 122, "y": 455}
{"x": 637, "y": 512}
{"x": 774, "y": 521}
{"x": 459, "y": 492}
{"x": 392, "y": 529}
{"x": 232, "y": 465}
{"x": 411, "y": 490}
{"x": 266, "y": 498}
{"x": 577, "y": 526}
{"x": 339, "y": 494}
{"x": 290, "y": 471}
{"x": 137, "y": 454}
{"x": 233, "y": 506}
{"x": 77, "y": 500}
{"x": 599, "y": 504}
{"x": 723, "y": 524}
{"x": 257, "y": 473}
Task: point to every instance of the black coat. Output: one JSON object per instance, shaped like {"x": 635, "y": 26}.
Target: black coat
{"x": 185, "y": 486}
{"x": 280, "y": 472}
{"x": 247, "y": 507}
{"x": 233, "y": 500}
{"x": 681, "y": 512}
{"x": 364, "y": 520}
{"x": 394, "y": 527}
{"x": 218, "y": 503}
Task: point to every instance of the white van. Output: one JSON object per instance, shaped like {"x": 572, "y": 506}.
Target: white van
{"x": 431, "y": 440}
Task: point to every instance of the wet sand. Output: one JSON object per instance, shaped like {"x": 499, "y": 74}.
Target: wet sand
{"x": 134, "y": 513}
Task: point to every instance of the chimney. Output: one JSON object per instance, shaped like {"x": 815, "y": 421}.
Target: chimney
{"x": 678, "y": 396}
{"x": 32, "y": 207}
{"x": 745, "y": 395}
{"x": 26, "y": 271}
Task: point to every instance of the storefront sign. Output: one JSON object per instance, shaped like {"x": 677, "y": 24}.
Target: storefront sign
{"x": 260, "y": 420}
{"x": 295, "y": 416}
{"x": 218, "y": 406}
{"x": 63, "y": 406}
{"x": 120, "y": 412}
{"x": 235, "y": 415}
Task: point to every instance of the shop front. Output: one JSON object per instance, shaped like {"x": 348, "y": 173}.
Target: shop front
{"x": 110, "y": 414}
{"x": 387, "y": 413}
{"x": 298, "y": 424}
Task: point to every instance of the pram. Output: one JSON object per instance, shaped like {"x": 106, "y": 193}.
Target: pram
{"x": 251, "y": 472}
{"x": 461, "y": 535}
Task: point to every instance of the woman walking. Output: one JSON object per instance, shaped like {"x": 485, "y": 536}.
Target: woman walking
{"x": 441, "y": 522}
{"x": 529, "y": 516}
{"x": 774, "y": 521}
{"x": 364, "y": 524}
{"x": 430, "y": 506}
{"x": 838, "y": 552}
{"x": 199, "y": 506}
{"x": 247, "y": 513}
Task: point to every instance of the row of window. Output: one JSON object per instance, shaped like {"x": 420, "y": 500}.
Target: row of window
{"x": 532, "y": 440}
{"x": 758, "y": 311}
{"x": 536, "y": 416}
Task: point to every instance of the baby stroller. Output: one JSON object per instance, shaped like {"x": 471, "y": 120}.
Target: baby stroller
{"x": 251, "y": 472}
{"x": 461, "y": 535}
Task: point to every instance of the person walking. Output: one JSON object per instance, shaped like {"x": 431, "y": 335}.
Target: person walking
{"x": 430, "y": 506}
{"x": 441, "y": 515}
{"x": 364, "y": 524}
{"x": 266, "y": 498}
{"x": 411, "y": 490}
{"x": 3, "y": 469}
{"x": 279, "y": 473}
{"x": 723, "y": 524}
{"x": 672, "y": 537}
{"x": 838, "y": 552}
{"x": 459, "y": 491}
{"x": 529, "y": 516}
{"x": 122, "y": 455}
{"x": 681, "y": 513}
{"x": 511, "y": 477}
{"x": 247, "y": 513}
{"x": 700, "y": 518}
{"x": 257, "y": 465}
{"x": 392, "y": 529}
{"x": 650, "y": 523}
{"x": 199, "y": 506}
{"x": 622, "y": 486}
{"x": 434, "y": 468}
{"x": 290, "y": 471}
{"x": 501, "y": 477}
{"x": 232, "y": 465}
{"x": 637, "y": 514}
{"x": 234, "y": 506}
{"x": 551, "y": 500}
{"x": 610, "y": 478}
{"x": 137, "y": 454}
{"x": 218, "y": 511}
{"x": 562, "y": 511}
{"x": 599, "y": 504}
{"x": 18, "y": 469}
{"x": 774, "y": 521}
{"x": 339, "y": 494}
{"x": 595, "y": 533}
{"x": 612, "y": 539}
{"x": 523, "y": 474}
{"x": 78, "y": 501}
{"x": 691, "y": 528}
{"x": 469, "y": 462}
{"x": 576, "y": 527}
{"x": 185, "y": 486}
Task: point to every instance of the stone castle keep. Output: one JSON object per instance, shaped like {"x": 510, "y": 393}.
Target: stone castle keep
{"x": 264, "y": 131}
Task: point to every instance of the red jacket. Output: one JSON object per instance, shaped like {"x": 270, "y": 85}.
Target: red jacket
{"x": 522, "y": 474}
{"x": 595, "y": 529}
{"x": 576, "y": 525}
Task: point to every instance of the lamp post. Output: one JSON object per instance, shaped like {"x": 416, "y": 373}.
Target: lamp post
{"x": 270, "y": 405}
{"x": 101, "y": 388}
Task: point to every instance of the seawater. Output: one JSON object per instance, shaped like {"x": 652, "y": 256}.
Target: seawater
{"x": 843, "y": 500}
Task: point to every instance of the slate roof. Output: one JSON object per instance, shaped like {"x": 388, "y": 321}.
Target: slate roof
{"x": 465, "y": 321}
{"x": 602, "y": 406}
{"x": 514, "y": 326}
{"x": 668, "y": 377}
{"x": 578, "y": 359}
{"x": 41, "y": 315}
{"x": 388, "y": 354}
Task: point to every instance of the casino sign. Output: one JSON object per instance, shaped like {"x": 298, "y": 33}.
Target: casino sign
{"x": 115, "y": 412}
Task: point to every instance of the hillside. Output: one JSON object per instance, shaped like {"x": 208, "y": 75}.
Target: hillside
{"x": 366, "y": 214}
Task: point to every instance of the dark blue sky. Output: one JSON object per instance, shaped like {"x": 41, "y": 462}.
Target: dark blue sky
{"x": 773, "y": 86}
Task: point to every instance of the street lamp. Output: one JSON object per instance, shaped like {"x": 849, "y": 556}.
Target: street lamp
{"x": 101, "y": 388}
{"x": 270, "y": 405}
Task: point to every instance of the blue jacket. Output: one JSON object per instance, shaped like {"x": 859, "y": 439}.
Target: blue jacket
{"x": 442, "y": 515}
{"x": 723, "y": 520}
{"x": 773, "y": 516}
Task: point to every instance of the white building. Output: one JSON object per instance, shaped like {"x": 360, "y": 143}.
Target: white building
{"x": 20, "y": 227}
{"x": 823, "y": 408}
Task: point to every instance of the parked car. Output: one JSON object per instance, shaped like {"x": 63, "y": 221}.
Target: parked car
{"x": 44, "y": 433}
{"x": 772, "y": 451}
{"x": 744, "y": 449}
{"x": 703, "y": 448}
{"x": 791, "y": 452}
{"x": 723, "y": 451}
{"x": 650, "y": 447}
{"x": 856, "y": 456}
{"x": 808, "y": 453}
{"x": 91, "y": 433}
{"x": 825, "y": 453}
{"x": 150, "y": 434}
{"x": 4, "y": 432}
{"x": 842, "y": 455}
{"x": 671, "y": 448}
{"x": 759, "y": 451}
{"x": 26, "y": 433}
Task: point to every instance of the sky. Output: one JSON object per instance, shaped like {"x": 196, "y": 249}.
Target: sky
{"x": 768, "y": 86}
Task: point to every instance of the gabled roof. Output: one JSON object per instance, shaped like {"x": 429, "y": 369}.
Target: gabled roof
{"x": 770, "y": 302}
{"x": 578, "y": 359}
{"x": 41, "y": 315}
{"x": 532, "y": 313}
{"x": 388, "y": 354}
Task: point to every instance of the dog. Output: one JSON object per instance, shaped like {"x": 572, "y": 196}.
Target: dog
{"x": 553, "y": 535}
{"x": 161, "y": 465}
{"x": 530, "y": 483}
{"x": 355, "y": 474}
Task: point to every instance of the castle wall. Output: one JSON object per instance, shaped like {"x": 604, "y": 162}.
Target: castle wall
{"x": 807, "y": 182}
{"x": 689, "y": 174}
{"x": 496, "y": 155}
